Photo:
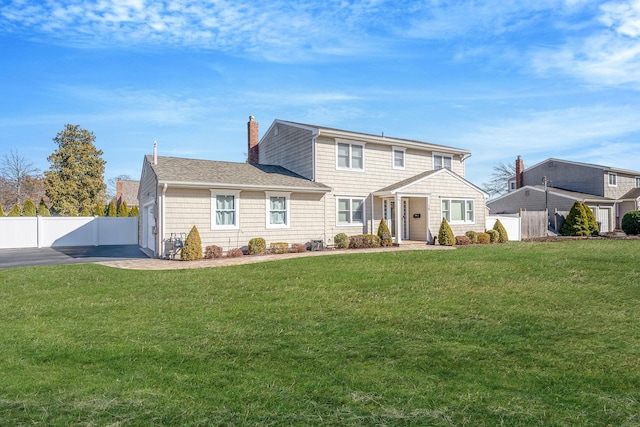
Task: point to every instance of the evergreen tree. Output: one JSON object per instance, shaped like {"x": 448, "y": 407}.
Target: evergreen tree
{"x": 192, "y": 248}
{"x": 98, "y": 210}
{"x": 579, "y": 222}
{"x": 384, "y": 233}
{"x": 15, "y": 211}
{"x": 29, "y": 208}
{"x": 445, "y": 234}
{"x": 123, "y": 210}
{"x": 111, "y": 210}
{"x": 75, "y": 179}
{"x": 134, "y": 211}
{"x": 2, "y": 214}
{"x": 503, "y": 237}
{"x": 43, "y": 210}
{"x": 85, "y": 212}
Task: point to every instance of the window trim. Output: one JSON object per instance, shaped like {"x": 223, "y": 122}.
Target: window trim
{"x": 351, "y": 144}
{"x": 236, "y": 207}
{"x": 444, "y": 156}
{"x": 466, "y": 210}
{"x": 615, "y": 179}
{"x": 394, "y": 150}
{"x": 287, "y": 207}
{"x": 351, "y": 223}
{"x": 637, "y": 181}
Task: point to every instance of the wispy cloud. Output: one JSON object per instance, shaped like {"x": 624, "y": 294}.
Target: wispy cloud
{"x": 609, "y": 56}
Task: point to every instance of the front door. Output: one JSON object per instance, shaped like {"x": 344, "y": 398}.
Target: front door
{"x": 389, "y": 214}
{"x": 604, "y": 219}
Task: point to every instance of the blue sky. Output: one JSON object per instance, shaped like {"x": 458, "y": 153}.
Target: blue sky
{"x": 543, "y": 78}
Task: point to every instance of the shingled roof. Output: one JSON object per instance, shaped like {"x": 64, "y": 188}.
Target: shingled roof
{"x": 211, "y": 173}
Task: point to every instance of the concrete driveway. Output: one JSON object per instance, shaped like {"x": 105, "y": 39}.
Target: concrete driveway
{"x": 10, "y": 258}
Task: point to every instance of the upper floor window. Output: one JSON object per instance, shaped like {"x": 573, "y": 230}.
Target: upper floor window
{"x": 458, "y": 211}
{"x": 350, "y": 156}
{"x": 277, "y": 210}
{"x": 441, "y": 161}
{"x": 637, "y": 181}
{"x": 613, "y": 179}
{"x": 224, "y": 210}
{"x": 398, "y": 158}
{"x": 350, "y": 211}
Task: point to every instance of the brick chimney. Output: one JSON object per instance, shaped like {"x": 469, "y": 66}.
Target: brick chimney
{"x": 519, "y": 172}
{"x": 252, "y": 131}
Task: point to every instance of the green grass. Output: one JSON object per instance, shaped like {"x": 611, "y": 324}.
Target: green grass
{"x": 522, "y": 334}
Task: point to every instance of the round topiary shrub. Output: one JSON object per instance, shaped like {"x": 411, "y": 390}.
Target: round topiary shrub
{"x": 384, "y": 234}
{"x": 462, "y": 241}
{"x": 257, "y": 246}
{"x": 192, "y": 248}
{"x": 493, "y": 236}
{"x": 484, "y": 238}
{"x": 472, "y": 235}
{"x": 503, "y": 237}
{"x": 445, "y": 234}
{"x": 631, "y": 223}
{"x": 341, "y": 241}
{"x": 278, "y": 248}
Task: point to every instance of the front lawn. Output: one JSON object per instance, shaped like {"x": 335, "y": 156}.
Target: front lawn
{"x": 517, "y": 334}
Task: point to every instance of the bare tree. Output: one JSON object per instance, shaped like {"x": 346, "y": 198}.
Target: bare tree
{"x": 499, "y": 183}
{"x": 112, "y": 184}
{"x": 16, "y": 172}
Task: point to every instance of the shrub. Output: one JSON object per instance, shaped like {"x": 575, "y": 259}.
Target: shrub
{"x": 134, "y": 211}
{"x": 472, "y": 235}
{"x": 123, "y": 210}
{"x": 111, "y": 209}
{"x": 212, "y": 251}
{"x": 29, "y": 208}
{"x": 298, "y": 247}
{"x": 483, "y": 238}
{"x": 85, "y": 212}
{"x": 257, "y": 246}
{"x": 462, "y": 241}
{"x": 278, "y": 247}
{"x": 503, "y": 237}
{"x": 15, "y": 211}
{"x": 384, "y": 234}
{"x": 361, "y": 241}
{"x": 2, "y": 211}
{"x": 98, "y": 210}
{"x": 234, "y": 253}
{"x": 445, "y": 234}
{"x": 631, "y": 223}
{"x": 43, "y": 210}
{"x": 192, "y": 249}
{"x": 493, "y": 236}
{"x": 579, "y": 222}
{"x": 341, "y": 241}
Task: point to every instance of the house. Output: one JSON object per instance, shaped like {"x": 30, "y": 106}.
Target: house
{"x": 556, "y": 184}
{"x": 305, "y": 183}
{"x": 127, "y": 191}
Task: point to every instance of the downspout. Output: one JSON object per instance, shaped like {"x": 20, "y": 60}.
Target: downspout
{"x": 162, "y": 212}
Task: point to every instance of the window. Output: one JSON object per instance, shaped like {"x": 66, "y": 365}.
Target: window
{"x": 512, "y": 185}
{"x": 458, "y": 211}
{"x": 613, "y": 179}
{"x": 398, "y": 158}
{"x": 350, "y": 211}
{"x": 277, "y": 210}
{"x": 637, "y": 181}
{"x": 440, "y": 161}
{"x": 224, "y": 208}
{"x": 350, "y": 156}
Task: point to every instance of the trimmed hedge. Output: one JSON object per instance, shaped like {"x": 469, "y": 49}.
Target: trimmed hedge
{"x": 493, "y": 236}
{"x": 212, "y": 251}
{"x": 257, "y": 246}
{"x": 462, "y": 241}
{"x": 445, "y": 234}
{"x": 341, "y": 241}
{"x": 472, "y": 235}
{"x": 361, "y": 241}
{"x": 192, "y": 249}
{"x": 484, "y": 238}
{"x": 278, "y": 247}
{"x": 631, "y": 223}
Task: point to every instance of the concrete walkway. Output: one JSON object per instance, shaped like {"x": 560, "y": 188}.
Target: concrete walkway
{"x": 163, "y": 264}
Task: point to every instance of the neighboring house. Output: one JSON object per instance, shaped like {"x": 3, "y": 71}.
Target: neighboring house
{"x": 127, "y": 191}
{"x": 609, "y": 192}
{"x": 304, "y": 183}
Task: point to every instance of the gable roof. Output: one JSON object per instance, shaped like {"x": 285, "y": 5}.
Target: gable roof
{"x": 215, "y": 174}
{"x": 574, "y": 195}
{"x": 632, "y": 194}
{"x": 367, "y": 137}
{"x": 401, "y": 185}
{"x": 589, "y": 165}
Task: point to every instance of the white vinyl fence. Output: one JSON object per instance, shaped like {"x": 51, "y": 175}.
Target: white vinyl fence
{"x": 511, "y": 223}
{"x": 41, "y": 232}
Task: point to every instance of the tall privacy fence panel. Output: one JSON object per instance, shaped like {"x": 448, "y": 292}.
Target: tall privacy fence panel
{"x": 534, "y": 223}
{"x": 42, "y": 232}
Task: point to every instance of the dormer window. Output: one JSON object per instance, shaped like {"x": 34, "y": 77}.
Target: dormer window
{"x": 441, "y": 161}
